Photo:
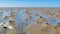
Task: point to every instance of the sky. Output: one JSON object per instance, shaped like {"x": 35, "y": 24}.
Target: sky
{"x": 29, "y": 3}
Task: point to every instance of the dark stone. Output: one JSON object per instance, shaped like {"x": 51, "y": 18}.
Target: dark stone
{"x": 24, "y": 33}
{"x": 5, "y": 27}
{"x": 10, "y": 21}
{"x": 40, "y": 17}
{"x": 36, "y": 14}
{"x": 47, "y": 23}
{"x": 30, "y": 17}
{"x": 38, "y": 22}
{"x": 1, "y": 12}
{"x": 6, "y": 17}
{"x": 47, "y": 11}
{"x": 41, "y": 30}
{"x": 55, "y": 27}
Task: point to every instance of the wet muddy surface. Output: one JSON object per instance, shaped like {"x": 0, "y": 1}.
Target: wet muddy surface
{"x": 30, "y": 20}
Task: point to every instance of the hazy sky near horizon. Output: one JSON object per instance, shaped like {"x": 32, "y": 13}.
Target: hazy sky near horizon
{"x": 29, "y": 3}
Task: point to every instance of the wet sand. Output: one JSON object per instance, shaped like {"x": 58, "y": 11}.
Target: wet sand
{"x": 12, "y": 32}
{"x": 31, "y": 16}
